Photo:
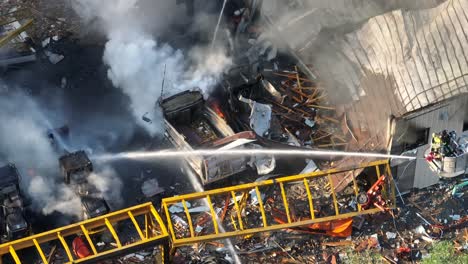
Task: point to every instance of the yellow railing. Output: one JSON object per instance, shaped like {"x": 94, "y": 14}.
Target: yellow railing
{"x": 153, "y": 233}
{"x": 186, "y": 229}
{"x": 221, "y": 213}
{"x": 14, "y": 33}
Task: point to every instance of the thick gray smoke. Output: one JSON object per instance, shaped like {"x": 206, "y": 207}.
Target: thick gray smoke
{"x": 136, "y": 65}
{"x": 343, "y": 38}
{"x": 23, "y": 141}
{"x": 136, "y": 59}
{"x": 300, "y": 22}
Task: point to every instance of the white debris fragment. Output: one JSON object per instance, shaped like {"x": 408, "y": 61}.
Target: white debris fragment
{"x": 390, "y": 235}
{"x": 199, "y": 209}
{"x": 53, "y": 57}
{"x": 45, "y": 42}
{"x": 129, "y": 256}
{"x": 151, "y": 188}
{"x": 260, "y": 116}
{"x": 420, "y": 230}
{"x": 177, "y": 220}
{"x": 178, "y": 207}
{"x": 253, "y": 197}
{"x": 427, "y": 239}
{"x": 309, "y": 122}
{"x": 139, "y": 257}
{"x": 228, "y": 259}
{"x": 263, "y": 163}
{"x": 377, "y": 240}
{"x": 455, "y": 217}
{"x": 310, "y": 167}
{"x": 63, "y": 82}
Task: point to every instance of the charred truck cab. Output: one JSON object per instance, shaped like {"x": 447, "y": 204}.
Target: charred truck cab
{"x": 191, "y": 124}
{"x": 75, "y": 168}
{"x": 13, "y": 220}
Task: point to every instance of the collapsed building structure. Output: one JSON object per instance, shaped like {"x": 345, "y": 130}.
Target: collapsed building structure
{"x": 401, "y": 60}
{"x": 381, "y": 86}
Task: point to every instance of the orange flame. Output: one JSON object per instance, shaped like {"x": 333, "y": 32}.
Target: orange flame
{"x": 215, "y": 106}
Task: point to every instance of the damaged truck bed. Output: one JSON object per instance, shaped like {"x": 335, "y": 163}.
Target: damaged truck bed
{"x": 191, "y": 124}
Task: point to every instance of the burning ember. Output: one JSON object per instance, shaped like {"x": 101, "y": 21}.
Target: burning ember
{"x": 217, "y": 108}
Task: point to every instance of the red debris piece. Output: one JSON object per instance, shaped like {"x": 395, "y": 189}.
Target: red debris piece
{"x": 80, "y": 249}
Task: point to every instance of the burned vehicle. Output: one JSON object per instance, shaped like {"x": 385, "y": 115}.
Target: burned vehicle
{"x": 190, "y": 123}
{"x": 75, "y": 168}
{"x": 13, "y": 220}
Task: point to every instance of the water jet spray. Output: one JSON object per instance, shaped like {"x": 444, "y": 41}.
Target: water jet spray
{"x": 217, "y": 24}
{"x": 164, "y": 154}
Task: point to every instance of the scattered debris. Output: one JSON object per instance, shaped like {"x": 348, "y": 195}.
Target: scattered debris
{"x": 53, "y": 57}
{"x": 151, "y": 188}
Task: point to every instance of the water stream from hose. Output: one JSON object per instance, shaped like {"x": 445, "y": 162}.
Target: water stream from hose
{"x": 217, "y": 24}
{"x": 171, "y": 154}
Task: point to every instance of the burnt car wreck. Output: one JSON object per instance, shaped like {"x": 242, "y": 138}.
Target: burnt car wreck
{"x": 13, "y": 220}
{"x": 75, "y": 169}
{"x": 191, "y": 124}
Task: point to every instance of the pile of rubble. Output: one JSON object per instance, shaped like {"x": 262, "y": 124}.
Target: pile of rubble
{"x": 404, "y": 235}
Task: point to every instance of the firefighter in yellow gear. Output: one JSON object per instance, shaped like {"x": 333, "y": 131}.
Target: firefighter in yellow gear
{"x": 436, "y": 142}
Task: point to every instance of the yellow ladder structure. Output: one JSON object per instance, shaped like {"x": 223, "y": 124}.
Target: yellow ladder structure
{"x": 185, "y": 230}
{"x": 212, "y": 222}
{"x": 154, "y": 233}
{"x": 10, "y": 18}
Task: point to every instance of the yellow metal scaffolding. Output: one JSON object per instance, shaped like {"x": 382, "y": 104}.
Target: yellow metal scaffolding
{"x": 211, "y": 224}
{"x": 238, "y": 224}
{"x": 154, "y": 233}
{"x": 14, "y": 33}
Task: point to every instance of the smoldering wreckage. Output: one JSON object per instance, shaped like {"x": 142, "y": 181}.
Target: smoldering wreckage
{"x": 265, "y": 92}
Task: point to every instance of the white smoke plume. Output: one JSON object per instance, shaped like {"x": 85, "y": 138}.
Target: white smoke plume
{"x": 136, "y": 65}
{"x": 207, "y": 66}
{"x": 109, "y": 185}
{"x": 136, "y": 60}
{"x": 24, "y": 142}
{"x": 54, "y": 197}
